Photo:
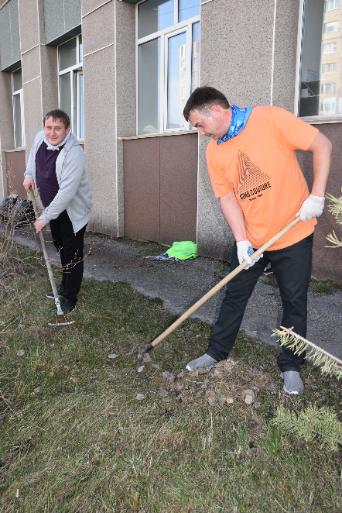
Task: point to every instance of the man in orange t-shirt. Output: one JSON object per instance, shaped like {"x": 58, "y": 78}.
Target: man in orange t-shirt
{"x": 256, "y": 176}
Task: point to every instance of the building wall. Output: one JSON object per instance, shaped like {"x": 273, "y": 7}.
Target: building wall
{"x": 248, "y": 49}
{"x": 9, "y": 57}
{"x": 15, "y": 160}
{"x": 6, "y": 128}
{"x": 160, "y": 185}
{"x": 39, "y": 65}
{"x": 100, "y": 89}
{"x": 125, "y": 94}
{"x": 60, "y": 17}
{"x": 254, "y": 63}
{"x": 108, "y": 29}
{"x": 45, "y": 21}
{"x": 9, "y": 34}
{"x": 327, "y": 262}
{"x": 30, "y": 32}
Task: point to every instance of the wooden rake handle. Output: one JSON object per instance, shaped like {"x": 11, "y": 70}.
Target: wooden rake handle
{"x": 32, "y": 197}
{"x": 219, "y": 285}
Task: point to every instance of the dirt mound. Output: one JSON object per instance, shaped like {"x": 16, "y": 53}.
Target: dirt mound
{"x": 227, "y": 383}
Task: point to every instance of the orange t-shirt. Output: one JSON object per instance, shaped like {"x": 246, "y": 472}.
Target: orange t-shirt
{"x": 260, "y": 166}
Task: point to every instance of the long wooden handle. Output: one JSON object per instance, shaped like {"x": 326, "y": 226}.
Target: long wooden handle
{"x": 32, "y": 197}
{"x": 221, "y": 284}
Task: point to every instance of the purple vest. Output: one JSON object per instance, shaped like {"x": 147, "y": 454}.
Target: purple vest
{"x": 46, "y": 173}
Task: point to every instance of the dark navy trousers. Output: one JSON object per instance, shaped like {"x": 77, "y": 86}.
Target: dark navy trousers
{"x": 291, "y": 267}
{"x": 70, "y": 248}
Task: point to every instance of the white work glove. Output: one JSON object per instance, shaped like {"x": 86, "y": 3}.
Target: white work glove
{"x": 312, "y": 207}
{"x": 244, "y": 253}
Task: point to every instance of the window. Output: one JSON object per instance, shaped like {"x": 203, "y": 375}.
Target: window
{"x": 328, "y": 106}
{"x": 331, "y": 26}
{"x": 168, "y": 43}
{"x": 330, "y": 47}
{"x": 71, "y": 84}
{"x": 330, "y": 5}
{"x": 328, "y": 88}
{"x": 18, "y": 109}
{"x": 329, "y": 67}
{"x": 320, "y": 91}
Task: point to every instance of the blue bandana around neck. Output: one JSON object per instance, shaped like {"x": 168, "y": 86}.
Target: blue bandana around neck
{"x": 237, "y": 123}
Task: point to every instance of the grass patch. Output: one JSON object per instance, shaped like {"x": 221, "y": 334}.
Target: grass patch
{"x": 149, "y": 248}
{"x": 326, "y": 287}
{"x": 74, "y": 437}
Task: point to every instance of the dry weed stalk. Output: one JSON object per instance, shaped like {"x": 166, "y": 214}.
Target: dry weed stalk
{"x": 335, "y": 208}
{"x": 12, "y": 265}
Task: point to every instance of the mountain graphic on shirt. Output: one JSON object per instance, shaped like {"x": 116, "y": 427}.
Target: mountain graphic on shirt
{"x": 252, "y": 181}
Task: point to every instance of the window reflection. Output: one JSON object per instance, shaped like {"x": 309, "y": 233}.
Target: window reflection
{"x": 67, "y": 54}
{"x": 168, "y": 62}
{"x": 17, "y": 106}
{"x": 176, "y": 80}
{"x": 155, "y": 15}
{"x": 188, "y": 9}
{"x": 70, "y": 55}
{"x": 321, "y": 63}
{"x": 149, "y": 73}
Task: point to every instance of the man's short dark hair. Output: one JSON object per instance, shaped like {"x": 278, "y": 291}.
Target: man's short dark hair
{"x": 204, "y": 97}
{"x": 58, "y": 114}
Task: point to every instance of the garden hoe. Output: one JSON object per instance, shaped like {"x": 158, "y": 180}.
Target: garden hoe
{"x": 216, "y": 288}
{"x": 59, "y": 318}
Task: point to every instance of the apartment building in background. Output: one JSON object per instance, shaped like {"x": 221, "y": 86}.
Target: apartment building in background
{"x": 123, "y": 70}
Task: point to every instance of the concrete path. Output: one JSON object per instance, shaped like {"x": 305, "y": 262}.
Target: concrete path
{"x": 179, "y": 285}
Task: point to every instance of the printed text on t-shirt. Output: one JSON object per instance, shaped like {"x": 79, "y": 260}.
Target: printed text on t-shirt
{"x": 252, "y": 181}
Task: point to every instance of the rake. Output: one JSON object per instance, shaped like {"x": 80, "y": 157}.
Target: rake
{"x": 148, "y": 347}
{"x": 59, "y": 319}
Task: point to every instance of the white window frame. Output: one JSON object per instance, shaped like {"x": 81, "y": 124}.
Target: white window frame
{"x": 334, "y": 24}
{"x": 188, "y": 44}
{"x": 328, "y": 101}
{"x": 328, "y": 88}
{"x": 79, "y": 74}
{"x": 328, "y": 64}
{"x": 164, "y": 35}
{"x": 336, "y": 5}
{"x": 319, "y": 118}
{"x": 78, "y": 69}
{"x": 329, "y": 47}
{"x": 18, "y": 92}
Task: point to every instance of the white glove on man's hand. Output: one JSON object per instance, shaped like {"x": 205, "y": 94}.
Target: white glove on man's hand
{"x": 312, "y": 207}
{"x": 244, "y": 253}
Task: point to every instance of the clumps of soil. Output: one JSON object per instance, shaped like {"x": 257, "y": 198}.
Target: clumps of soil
{"x": 227, "y": 383}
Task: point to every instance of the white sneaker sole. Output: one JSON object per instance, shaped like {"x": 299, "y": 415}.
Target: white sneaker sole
{"x": 290, "y": 393}
{"x": 200, "y": 368}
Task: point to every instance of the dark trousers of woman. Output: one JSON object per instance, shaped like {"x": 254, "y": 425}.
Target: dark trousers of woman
{"x": 70, "y": 248}
{"x": 291, "y": 267}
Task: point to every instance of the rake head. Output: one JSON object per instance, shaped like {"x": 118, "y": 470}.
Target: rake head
{"x": 59, "y": 320}
{"x": 146, "y": 349}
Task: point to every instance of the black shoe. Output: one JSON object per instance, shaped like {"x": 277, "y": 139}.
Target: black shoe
{"x": 66, "y": 305}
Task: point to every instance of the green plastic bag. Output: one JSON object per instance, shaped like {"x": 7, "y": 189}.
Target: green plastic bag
{"x": 183, "y": 250}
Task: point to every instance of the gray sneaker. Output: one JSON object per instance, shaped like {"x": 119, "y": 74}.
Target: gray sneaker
{"x": 293, "y": 384}
{"x": 203, "y": 362}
